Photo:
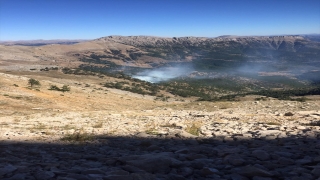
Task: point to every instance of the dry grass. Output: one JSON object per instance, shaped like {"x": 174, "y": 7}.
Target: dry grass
{"x": 225, "y": 105}
{"x": 194, "y": 128}
{"x": 78, "y": 136}
{"x": 273, "y": 123}
{"x": 152, "y": 131}
{"x": 40, "y": 126}
{"x": 68, "y": 127}
{"x": 98, "y": 125}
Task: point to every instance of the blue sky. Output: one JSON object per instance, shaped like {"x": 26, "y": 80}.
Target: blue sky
{"x": 90, "y": 19}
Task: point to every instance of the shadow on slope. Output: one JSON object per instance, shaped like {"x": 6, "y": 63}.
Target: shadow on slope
{"x": 110, "y": 157}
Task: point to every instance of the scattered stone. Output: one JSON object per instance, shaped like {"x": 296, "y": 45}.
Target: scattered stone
{"x": 238, "y": 177}
{"x": 183, "y": 134}
{"x": 44, "y": 175}
{"x": 237, "y": 146}
{"x": 288, "y": 114}
{"x": 7, "y": 169}
{"x": 152, "y": 163}
{"x": 251, "y": 171}
{"x": 234, "y": 160}
{"x": 208, "y": 171}
{"x": 285, "y": 161}
{"x": 261, "y": 178}
{"x": 261, "y": 155}
{"x": 316, "y": 171}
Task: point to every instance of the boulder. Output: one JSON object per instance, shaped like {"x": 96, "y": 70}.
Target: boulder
{"x": 261, "y": 155}
{"x": 251, "y": 171}
{"x": 152, "y": 163}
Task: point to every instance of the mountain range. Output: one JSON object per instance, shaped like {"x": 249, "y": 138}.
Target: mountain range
{"x": 293, "y": 54}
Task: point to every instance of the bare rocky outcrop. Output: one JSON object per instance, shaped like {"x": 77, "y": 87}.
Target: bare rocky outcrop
{"x": 263, "y": 41}
{"x": 251, "y": 142}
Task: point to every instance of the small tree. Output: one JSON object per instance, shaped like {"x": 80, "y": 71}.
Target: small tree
{"x": 33, "y": 82}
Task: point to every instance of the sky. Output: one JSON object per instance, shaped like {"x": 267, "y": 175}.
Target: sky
{"x": 91, "y": 19}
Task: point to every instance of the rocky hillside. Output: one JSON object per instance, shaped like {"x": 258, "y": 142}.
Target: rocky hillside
{"x": 225, "y": 47}
{"x": 94, "y": 132}
{"x": 274, "y": 42}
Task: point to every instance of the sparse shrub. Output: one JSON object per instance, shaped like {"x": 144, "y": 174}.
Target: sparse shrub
{"x": 56, "y": 88}
{"x": 65, "y": 88}
{"x": 152, "y": 131}
{"x": 78, "y": 137}
{"x": 260, "y": 99}
{"x": 301, "y": 99}
{"x": 33, "y": 82}
{"x": 194, "y": 129}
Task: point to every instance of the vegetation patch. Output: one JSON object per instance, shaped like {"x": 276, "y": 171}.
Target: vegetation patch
{"x": 64, "y": 88}
{"x": 194, "y": 128}
{"x": 98, "y": 125}
{"x": 33, "y": 82}
{"x": 78, "y": 136}
{"x": 221, "y": 88}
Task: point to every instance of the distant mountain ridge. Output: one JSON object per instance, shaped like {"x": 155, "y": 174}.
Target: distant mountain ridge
{"x": 153, "y": 40}
{"x": 288, "y": 47}
{"x": 151, "y": 51}
{"x": 292, "y": 43}
{"x": 41, "y": 42}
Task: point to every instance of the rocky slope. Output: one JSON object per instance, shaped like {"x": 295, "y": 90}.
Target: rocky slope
{"x": 226, "y": 47}
{"x": 275, "y": 42}
{"x": 91, "y": 133}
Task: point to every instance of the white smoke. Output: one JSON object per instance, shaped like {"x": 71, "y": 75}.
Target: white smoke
{"x": 163, "y": 74}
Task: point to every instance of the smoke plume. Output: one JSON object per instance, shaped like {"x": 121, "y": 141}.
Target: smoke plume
{"x": 163, "y": 73}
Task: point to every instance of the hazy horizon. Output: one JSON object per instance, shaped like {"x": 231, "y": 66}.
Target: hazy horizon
{"x": 26, "y": 40}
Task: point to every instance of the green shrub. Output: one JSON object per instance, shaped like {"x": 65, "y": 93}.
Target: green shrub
{"x": 33, "y": 82}
{"x": 56, "y": 88}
